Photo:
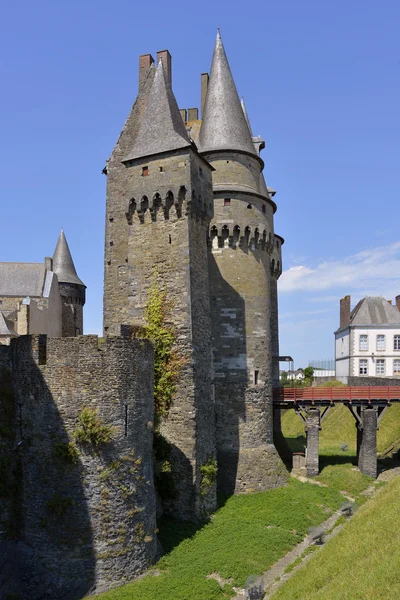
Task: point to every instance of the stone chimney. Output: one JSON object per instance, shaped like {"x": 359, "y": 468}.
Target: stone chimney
{"x": 204, "y": 86}
{"x": 344, "y": 311}
{"x": 398, "y": 302}
{"x": 145, "y": 62}
{"x": 48, "y": 263}
{"x": 165, "y": 57}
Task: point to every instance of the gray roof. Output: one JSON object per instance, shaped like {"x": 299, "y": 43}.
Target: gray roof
{"x": 224, "y": 125}
{"x": 6, "y": 328}
{"x": 63, "y": 265}
{"x": 22, "y": 279}
{"x": 162, "y": 128}
{"x": 374, "y": 310}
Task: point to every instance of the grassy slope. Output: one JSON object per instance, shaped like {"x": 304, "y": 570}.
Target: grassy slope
{"x": 361, "y": 562}
{"x": 338, "y": 428}
{"x": 244, "y": 537}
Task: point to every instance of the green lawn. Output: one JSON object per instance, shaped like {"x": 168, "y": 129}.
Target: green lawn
{"x": 361, "y": 562}
{"x": 244, "y": 537}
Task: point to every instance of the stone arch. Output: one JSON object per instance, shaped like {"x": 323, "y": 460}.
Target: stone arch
{"x": 236, "y": 236}
{"x": 157, "y": 202}
{"x": 180, "y": 200}
{"x": 131, "y": 210}
{"x": 169, "y": 202}
{"x": 224, "y": 240}
{"x": 263, "y": 240}
{"x": 214, "y": 236}
{"x": 247, "y": 235}
{"x": 144, "y": 205}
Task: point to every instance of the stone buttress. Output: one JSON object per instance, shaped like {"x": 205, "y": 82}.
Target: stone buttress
{"x": 244, "y": 264}
{"x": 159, "y": 205}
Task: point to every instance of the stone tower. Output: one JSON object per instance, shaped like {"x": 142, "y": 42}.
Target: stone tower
{"x": 244, "y": 264}
{"x": 72, "y": 289}
{"x": 159, "y": 205}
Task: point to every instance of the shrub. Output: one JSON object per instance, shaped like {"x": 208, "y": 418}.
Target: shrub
{"x": 91, "y": 430}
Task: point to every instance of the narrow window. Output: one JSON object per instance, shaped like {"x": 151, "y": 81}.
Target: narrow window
{"x": 111, "y": 219}
{"x": 126, "y": 420}
{"x": 249, "y": 206}
{"x": 396, "y": 342}
{"x": 227, "y": 201}
{"x": 111, "y": 243}
{"x": 380, "y": 342}
{"x": 255, "y": 377}
{"x": 380, "y": 367}
{"x": 363, "y": 342}
{"x": 161, "y": 170}
{"x": 201, "y": 171}
{"x": 363, "y": 367}
{"x": 145, "y": 171}
{"x": 396, "y": 367}
{"x": 170, "y": 239}
{"x": 264, "y": 208}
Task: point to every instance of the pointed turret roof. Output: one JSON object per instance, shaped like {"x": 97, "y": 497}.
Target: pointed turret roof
{"x": 224, "y": 125}
{"x": 162, "y": 128}
{"x": 6, "y": 328}
{"x": 63, "y": 265}
{"x": 246, "y": 116}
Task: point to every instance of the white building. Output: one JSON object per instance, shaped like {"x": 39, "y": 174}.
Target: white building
{"x": 367, "y": 343}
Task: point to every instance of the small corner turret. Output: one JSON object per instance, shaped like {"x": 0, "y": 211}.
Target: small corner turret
{"x": 72, "y": 289}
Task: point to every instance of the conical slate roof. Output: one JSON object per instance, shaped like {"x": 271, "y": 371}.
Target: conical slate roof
{"x": 63, "y": 265}
{"x": 224, "y": 125}
{"x": 246, "y": 116}
{"x": 162, "y": 128}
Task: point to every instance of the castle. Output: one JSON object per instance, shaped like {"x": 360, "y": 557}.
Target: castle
{"x": 187, "y": 200}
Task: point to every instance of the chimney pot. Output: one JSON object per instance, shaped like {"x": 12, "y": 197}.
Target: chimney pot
{"x": 344, "y": 311}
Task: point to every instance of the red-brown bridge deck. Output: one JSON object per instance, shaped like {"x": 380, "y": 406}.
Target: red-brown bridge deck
{"x": 290, "y": 397}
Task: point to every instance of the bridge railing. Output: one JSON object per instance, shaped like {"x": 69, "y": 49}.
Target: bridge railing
{"x": 337, "y": 394}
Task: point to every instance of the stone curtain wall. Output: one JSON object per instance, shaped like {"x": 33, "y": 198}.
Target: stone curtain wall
{"x": 89, "y": 517}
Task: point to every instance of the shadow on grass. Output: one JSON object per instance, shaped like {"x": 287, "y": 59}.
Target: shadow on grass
{"x": 172, "y": 533}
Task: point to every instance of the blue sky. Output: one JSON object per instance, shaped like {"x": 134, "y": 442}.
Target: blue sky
{"x": 321, "y": 85}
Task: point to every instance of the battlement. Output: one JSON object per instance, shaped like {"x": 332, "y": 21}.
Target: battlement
{"x": 236, "y": 236}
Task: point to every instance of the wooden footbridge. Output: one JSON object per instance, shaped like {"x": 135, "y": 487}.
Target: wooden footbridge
{"x": 367, "y": 404}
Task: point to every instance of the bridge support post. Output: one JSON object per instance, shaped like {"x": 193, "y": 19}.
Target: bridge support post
{"x": 367, "y": 458}
{"x": 313, "y": 426}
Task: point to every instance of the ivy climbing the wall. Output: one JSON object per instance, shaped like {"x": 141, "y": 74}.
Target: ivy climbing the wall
{"x": 168, "y": 362}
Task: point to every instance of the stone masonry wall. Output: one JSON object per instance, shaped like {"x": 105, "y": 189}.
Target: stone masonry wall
{"x": 240, "y": 283}
{"x": 379, "y": 381}
{"x": 8, "y": 460}
{"x": 164, "y": 224}
{"x": 88, "y": 513}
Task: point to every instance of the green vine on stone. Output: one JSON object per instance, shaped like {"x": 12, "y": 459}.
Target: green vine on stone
{"x": 168, "y": 362}
{"x": 208, "y": 473}
{"x": 91, "y": 431}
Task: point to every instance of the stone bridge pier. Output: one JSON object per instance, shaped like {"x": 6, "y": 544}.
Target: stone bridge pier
{"x": 367, "y": 419}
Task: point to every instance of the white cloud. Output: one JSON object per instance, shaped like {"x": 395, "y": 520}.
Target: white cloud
{"x": 368, "y": 270}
